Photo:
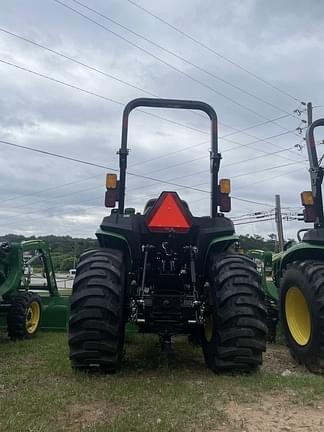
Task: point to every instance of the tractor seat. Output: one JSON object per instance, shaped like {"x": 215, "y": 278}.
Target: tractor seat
{"x": 150, "y": 203}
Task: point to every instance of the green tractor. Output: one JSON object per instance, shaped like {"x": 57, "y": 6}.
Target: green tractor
{"x": 264, "y": 261}
{"x": 298, "y": 274}
{"x": 169, "y": 272}
{"x": 29, "y": 301}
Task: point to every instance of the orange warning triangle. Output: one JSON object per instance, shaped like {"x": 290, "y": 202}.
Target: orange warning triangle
{"x": 168, "y": 213}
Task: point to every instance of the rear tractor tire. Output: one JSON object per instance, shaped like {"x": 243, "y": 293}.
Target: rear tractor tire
{"x": 272, "y": 319}
{"x": 235, "y": 331}
{"x": 97, "y": 324}
{"x": 301, "y": 305}
{"x": 24, "y": 316}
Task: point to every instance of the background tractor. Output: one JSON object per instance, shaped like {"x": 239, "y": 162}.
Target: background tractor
{"x": 169, "y": 272}
{"x": 300, "y": 273}
{"x": 296, "y": 282}
{"x": 25, "y": 304}
{"x": 264, "y": 261}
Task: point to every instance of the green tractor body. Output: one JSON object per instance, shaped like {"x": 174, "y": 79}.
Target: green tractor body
{"x": 265, "y": 262}
{"x": 299, "y": 273}
{"x": 171, "y": 257}
{"x": 296, "y": 285}
{"x": 169, "y": 273}
{"x": 30, "y": 301}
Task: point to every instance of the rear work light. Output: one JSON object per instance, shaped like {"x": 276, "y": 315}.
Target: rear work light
{"x": 225, "y": 186}
{"x": 169, "y": 214}
{"x": 224, "y": 199}
{"x": 309, "y": 207}
{"x": 111, "y": 196}
{"x": 307, "y": 198}
{"x": 111, "y": 181}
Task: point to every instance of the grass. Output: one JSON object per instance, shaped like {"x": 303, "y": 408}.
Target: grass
{"x": 39, "y": 391}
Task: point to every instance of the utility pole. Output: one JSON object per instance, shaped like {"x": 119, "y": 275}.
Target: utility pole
{"x": 309, "y": 113}
{"x": 278, "y": 217}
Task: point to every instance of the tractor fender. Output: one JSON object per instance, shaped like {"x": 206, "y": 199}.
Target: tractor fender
{"x": 221, "y": 244}
{"x": 300, "y": 252}
{"x": 109, "y": 239}
{"x": 12, "y": 282}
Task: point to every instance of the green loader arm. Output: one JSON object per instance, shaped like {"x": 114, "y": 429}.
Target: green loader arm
{"x": 44, "y": 252}
{"x": 11, "y": 265}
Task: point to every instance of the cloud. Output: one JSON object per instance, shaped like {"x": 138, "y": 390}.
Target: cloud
{"x": 281, "y": 42}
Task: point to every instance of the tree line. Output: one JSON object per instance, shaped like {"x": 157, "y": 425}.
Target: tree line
{"x": 66, "y": 250}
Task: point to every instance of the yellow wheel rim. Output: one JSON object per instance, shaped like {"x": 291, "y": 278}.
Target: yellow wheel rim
{"x": 209, "y": 328}
{"x": 298, "y": 316}
{"x": 32, "y": 317}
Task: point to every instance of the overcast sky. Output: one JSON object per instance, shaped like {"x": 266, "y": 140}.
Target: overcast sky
{"x": 279, "y": 42}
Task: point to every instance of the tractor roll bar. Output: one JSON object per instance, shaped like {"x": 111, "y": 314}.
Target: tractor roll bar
{"x": 215, "y": 157}
{"x": 316, "y": 172}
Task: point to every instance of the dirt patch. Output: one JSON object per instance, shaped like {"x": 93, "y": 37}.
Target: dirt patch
{"x": 83, "y": 416}
{"x": 277, "y": 359}
{"x": 275, "y": 413}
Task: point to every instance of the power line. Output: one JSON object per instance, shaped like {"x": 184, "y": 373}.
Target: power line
{"x": 95, "y": 199}
{"x": 81, "y": 161}
{"x": 96, "y": 94}
{"x": 275, "y": 153}
{"x": 187, "y": 35}
{"x": 179, "y": 57}
{"x": 112, "y": 169}
{"x": 20, "y": 215}
{"x": 158, "y": 58}
{"x": 42, "y": 75}
{"x": 261, "y": 181}
{"x": 57, "y": 81}
{"x": 146, "y": 177}
{"x": 255, "y": 172}
{"x": 203, "y": 171}
{"x": 248, "y": 218}
{"x": 243, "y": 174}
{"x": 263, "y": 123}
{"x": 65, "y": 84}
{"x": 51, "y": 198}
{"x": 154, "y": 171}
{"x": 249, "y": 215}
{"x": 121, "y": 104}
{"x": 270, "y": 178}
{"x": 65, "y": 56}
{"x": 85, "y": 91}
{"x": 123, "y": 81}
{"x": 251, "y": 201}
{"x": 254, "y": 221}
{"x": 91, "y": 67}
{"x": 265, "y": 140}
{"x": 224, "y": 137}
{"x": 267, "y": 169}
{"x": 50, "y": 189}
{"x": 240, "y": 175}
